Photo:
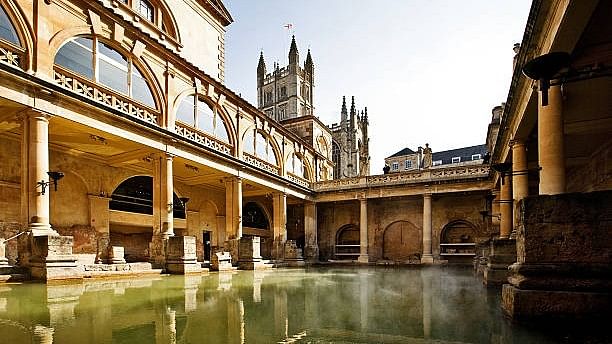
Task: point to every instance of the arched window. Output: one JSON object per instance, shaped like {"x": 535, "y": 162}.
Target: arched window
{"x": 259, "y": 146}
{"x": 295, "y": 165}
{"x": 101, "y": 63}
{"x": 146, "y": 10}
{"x": 196, "y": 112}
{"x": 135, "y": 195}
{"x": 7, "y": 30}
{"x": 336, "y": 160}
{"x": 254, "y": 217}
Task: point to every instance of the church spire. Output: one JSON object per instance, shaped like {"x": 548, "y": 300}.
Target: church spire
{"x": 352, "y": 105}
{"x": 308, "y": 64}
{"x": 261, "y": 69}
{"x": 343, "y": 112}
{"x": 294, "y": 57}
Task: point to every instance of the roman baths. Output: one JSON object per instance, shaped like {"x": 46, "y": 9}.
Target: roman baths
{"x": 142, "y": 200}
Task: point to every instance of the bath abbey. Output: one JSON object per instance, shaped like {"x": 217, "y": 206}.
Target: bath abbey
{"x": 130, "y": 170}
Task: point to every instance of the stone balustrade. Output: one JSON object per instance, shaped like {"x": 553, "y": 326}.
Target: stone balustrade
{"x": 412, "y": 177}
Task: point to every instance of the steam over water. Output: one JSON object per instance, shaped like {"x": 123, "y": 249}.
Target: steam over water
{"x": 323, "y": 305}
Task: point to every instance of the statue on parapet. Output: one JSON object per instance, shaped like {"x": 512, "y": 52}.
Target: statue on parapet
{"x": 427, "y": 156}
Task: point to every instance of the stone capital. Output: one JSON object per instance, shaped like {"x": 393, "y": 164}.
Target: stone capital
{"x": 31, "y": 113}
{"x": 516, "y": 143}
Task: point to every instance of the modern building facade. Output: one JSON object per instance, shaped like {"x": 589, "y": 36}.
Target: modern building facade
{"x": 409, "y": 160}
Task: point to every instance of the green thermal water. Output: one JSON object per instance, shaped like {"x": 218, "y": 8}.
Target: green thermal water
{"x": 331, "y": 305}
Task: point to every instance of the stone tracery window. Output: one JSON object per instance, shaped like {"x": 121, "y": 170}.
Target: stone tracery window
{"x": 336, "y": 160}
{"x": 196, "y": 112}
{"x": 146, "y": 10}
{"x": 295, "y": 165}
{"x": 101, "y": 63}
{"x": 259, "y": 146}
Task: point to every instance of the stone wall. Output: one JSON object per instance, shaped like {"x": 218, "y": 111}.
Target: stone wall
{"x": 595, "y": 174}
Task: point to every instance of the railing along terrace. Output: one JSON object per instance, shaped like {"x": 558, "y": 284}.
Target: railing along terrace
{"x": 202, "y": 138}
{"x": 412, "y": 177}
{"x": 11, "y": 54}
{"x": 102, "y": 95}
{"x": 298, "y": 180}
{"x": 257, "y": 162}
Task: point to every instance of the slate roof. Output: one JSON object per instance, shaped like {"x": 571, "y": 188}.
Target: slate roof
{"x": 465, "y": 153}
{"x": 405, "y": 151}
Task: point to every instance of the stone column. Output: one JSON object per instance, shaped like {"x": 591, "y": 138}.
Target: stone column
{"x": 99, "y": 219}
{"x": 233, "y": 208}
{"x": 551, "y": 150}
{"x": 427, "y": 257}
{"x": 520, "y": 180}
{"x": 311, "y": 249}
{"x": 279, "y": 224}
{"x": 495, "y": 209}
{"x": 35, "y": 159}
{"x": 167, "y": 196}
{"x": 505, "y": 207}
{"x": 363, "y": 231}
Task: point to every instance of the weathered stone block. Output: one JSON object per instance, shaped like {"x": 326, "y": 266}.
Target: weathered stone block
{"x": 52, "y": 259}
{"x": 502, "y": 253}
{"x": 293, "y": 254}
{"x": 116, "y": 255}
{"x": 221, "y": 261}
{"x": 181, "y": 255}
{"x": 3, "y": 259}
{"x": 249, "y": 253}
{"x": 564, "y": 251}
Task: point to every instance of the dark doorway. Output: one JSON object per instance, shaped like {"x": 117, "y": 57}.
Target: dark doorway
{"x": 206, "y": 244}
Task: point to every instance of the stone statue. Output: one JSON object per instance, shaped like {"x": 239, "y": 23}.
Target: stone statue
{"x": 426, "y": 156}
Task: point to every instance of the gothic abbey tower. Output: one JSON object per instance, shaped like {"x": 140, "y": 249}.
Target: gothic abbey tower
{"x": 286, "y": 95}
{"x": 350, "y": 148}
{"x": 286, "y": 92}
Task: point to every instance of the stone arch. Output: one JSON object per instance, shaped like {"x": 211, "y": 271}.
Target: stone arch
{"x": 62, "y": 37}
{"x": 347, "y": 242}
{"x": 458, "y": 231}
{"x": 273, "y": 143}
{"x": 255, "y": 215}
{"x": 402, "y": 241}
{"x": 221, "y": 111}
{"x": 308, "y": 173}
{"x": 134, "y": 195}
{"x": 23, "y": 30}
{"x": 71, "y": 189}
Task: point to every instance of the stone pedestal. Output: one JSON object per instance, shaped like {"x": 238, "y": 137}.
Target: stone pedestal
{"x": 563, "y": 265}
{"x": 3, "y": 259}
{"x": 181, "y": 256}
{"x": 481, "y": 260}
{"x": 502, "y": 253}
{"x": 293, "y": 254}
{"x": 116, "y": 255}
{"x": 52, "y": 259}
{"x": 249, "y": 254}
{"x": 221, "y": 261}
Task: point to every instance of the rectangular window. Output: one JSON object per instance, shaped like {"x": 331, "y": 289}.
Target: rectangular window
{"x": 146, "y": 10}
{"x": 395, "y": 166}
{"x": 437, "y": 162}
{"x": 456, "y": 160}
{"x": 476, "y": 157}
{"x": 408, "y": 164}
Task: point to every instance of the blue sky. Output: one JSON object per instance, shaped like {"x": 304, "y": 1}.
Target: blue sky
{"x": 428, "y": 70}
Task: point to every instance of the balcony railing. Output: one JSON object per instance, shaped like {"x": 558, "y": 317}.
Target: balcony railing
{"x": 412, "y": 177}
{"x": 298, "y": 180}
{"x": 202, "y": 138}
{"x": 11, "y": 55}
{"x": 104, "y": 96}
{"x": 257, "y": 162}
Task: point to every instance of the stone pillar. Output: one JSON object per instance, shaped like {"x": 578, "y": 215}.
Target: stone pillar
{"x": 495, "y": 220}
{"x": 279, "y": 224}
{"x": 167, "y": 196}
{"x": 505, "y": 207}
{"x": 233, "y": 208}
{"x": 99, "y": 219}
{"x": 35, "y": 155}
{"x": 551, "y": 150}
{"x": 427, "y": 257}
{"x": 3, "y": 259}
{"x": 520, "y": 180}
{"x": 363, "y": 231}
{"x": 311, "y": 249}
{"x": 163, "y": 214}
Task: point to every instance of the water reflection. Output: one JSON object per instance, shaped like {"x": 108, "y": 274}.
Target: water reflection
{"x": 286, "y": 306}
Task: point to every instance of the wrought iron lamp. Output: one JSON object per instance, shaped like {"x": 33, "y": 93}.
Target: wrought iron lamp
{"x": 55, "y": 176}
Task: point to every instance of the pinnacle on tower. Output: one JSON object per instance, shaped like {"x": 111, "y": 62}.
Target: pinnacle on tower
{"x": 294, "y": 57}
{"x": 261, "y": 68}
{"x": 352, "y": 105}
{"x": 308, "y": 64}
{"x": 343, "y": 112}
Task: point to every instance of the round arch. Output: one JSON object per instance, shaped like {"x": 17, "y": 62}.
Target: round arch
{"x": 308, "y": 173}
{"x": 458, "y": 231}
{"x": 135, "y": 195}
{"x": 254, "y": 215}
{"x": 64, "y": 36}
{"x": 273, "y": 143}
{"x": 402, "y": 241}
{"x": 347, "y": 242}
{"x": 220, "y": 110}
{"x": 23, "y": 29}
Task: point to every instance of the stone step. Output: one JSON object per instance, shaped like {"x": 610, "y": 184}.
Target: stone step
{"x": 14, "y": 278}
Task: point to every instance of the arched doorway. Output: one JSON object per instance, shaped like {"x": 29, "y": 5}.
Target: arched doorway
{"x": 347, "y": 242}
{"x": 402, "y": 242}
{"x": 458, "y": 242}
